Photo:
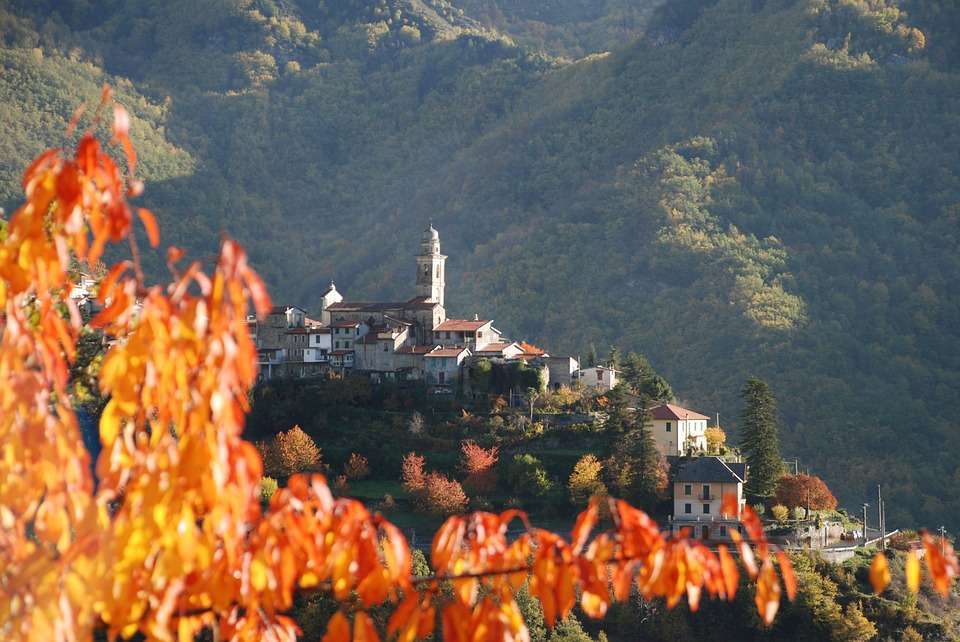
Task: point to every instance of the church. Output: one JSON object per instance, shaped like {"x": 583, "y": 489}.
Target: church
{"x": 387, "y": 340}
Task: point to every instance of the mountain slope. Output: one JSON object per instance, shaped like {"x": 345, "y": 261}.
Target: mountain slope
{"x": 759, "y": 187}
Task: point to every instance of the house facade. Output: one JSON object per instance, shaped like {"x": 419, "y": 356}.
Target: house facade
{"x": 699, "y": 487}
{"x": 678, "y": 430}
{"x": 602, "y": 378}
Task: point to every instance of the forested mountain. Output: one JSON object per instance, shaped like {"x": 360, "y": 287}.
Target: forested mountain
{"x": 741, "y": 187}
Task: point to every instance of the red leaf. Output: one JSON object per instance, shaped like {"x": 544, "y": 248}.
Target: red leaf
{"x": 150, "y": 225}
{"x": 585, "y": 523}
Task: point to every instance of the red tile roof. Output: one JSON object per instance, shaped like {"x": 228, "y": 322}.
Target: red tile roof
{"x": 340, "y": 353}
{"x": 460, "y": 325}
{"x": 671, "y": 411}
{"x": 531, "y": 350}
{"x": 496, "y": 347}
{"x": 346, "y": 324}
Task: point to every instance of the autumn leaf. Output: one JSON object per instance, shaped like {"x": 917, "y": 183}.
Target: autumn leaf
{"x": 879, "y": 573}
{"x": 912, "y": 565}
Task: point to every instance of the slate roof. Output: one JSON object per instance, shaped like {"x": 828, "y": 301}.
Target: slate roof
{"x": 672, "y": 411}
{"x": 709, "y": 469}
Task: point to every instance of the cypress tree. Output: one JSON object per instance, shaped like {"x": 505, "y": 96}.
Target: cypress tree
{"x": 640, "y": 450}
{"x": 759, "y": 440}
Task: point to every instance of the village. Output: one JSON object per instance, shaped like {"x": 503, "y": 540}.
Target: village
{"x": 414, "y": 341}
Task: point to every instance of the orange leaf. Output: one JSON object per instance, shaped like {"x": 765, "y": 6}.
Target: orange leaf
{"x": 363, "y": 629}
{"x": 584, "y": 524}
{"x": 879, "y": 573}
{"x": 150, "y": 225}
{"x": 941, "y": 561}
{"x": 768, "y": 593}
{"x": 786, "y": 570}
{"x": 913, "y": 571}
{"x": 728, "y": 569}
{"x": 338, "y": 629}
{"x": 121, "y": 122}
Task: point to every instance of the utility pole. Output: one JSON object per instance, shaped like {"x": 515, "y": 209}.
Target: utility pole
{"x": 943, "y": 539}
{"x": 865, "y": 505}
{"x": 880, "y": 516}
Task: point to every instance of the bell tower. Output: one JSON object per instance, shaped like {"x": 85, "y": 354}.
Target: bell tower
{"x": 431, "y": 267}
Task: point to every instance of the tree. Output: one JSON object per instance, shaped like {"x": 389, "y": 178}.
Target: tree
{"x": 656, "y": 388}
{"x": 780, "y": 512}
{"x": 716, "y": 439}
{"x": 289, "y": 452}
{"x": 592, "y": 356}
{"x": 636, "y": 370}
{"x": 442, "y": 495}
{"x": 585, "y": 480}
{"x": 613, "y": 358}
{"x": 527, "y": 476}
{"x": 808, "y": 491}
{"x": 759, "y": 428}
{"x": 416, "y": 424}
{"x": 478, "y": 465}
{"x": 412, "y": 473}
{"x": 173, "y": 540}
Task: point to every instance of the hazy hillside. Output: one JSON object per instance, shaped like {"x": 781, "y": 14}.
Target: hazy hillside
{"x": 752, "y": 187}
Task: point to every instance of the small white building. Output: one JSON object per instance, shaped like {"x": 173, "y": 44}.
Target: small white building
{"x": 500, "y": 350}
{"x": 699, "y": 486}
{"x": 346, "y": 333}
{"x": 468, "y": 334}
{"x": 442, "y": 365}
{"x": 602, "y": 378}
{"x": 678, "y": 430}
{"x": 329, "y": 297}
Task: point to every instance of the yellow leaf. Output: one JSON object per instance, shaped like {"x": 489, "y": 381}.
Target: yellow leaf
{"x": 879, "y": 573}
{"x": 258, "y": 574}
{"x": 913, "y": 572}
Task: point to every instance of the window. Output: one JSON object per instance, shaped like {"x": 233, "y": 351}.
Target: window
{"x": 706, "y": 491}
{"x": 688, "y": 508}
{"x": 385, "y": 347}
{"x": 706, "y": 509}
{"x": 668, "y": 426}
{"x": 446, "y": 335}
{"x": 438, "y": 271}
{"x": 687, "y": 489}
{"x": 337, "y": 345}
{"x": 479, "y": 335}
{"x": 441, "y": 377}
{"x": 723, "y": 531}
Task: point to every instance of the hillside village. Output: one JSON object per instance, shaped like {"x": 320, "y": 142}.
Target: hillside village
{"x": 410, "y": 340}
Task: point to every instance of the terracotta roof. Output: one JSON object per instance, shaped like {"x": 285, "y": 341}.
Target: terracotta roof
{"x": 420, "y": 303}
{"x": 297, "y": 331}
{"x": 530, "y": 349}
{"x": 317, "y": 330}
{"x": 671, "y": 411}
{"x": 447, "y": 352}
{"x": 364, "y": 306}
{"x": 340, "y": 353}
{"x": 415, "y": 349}
{"x": 460, "y": 325}
{"x": 345, "y": 324}
{"x": 707, "y": 469}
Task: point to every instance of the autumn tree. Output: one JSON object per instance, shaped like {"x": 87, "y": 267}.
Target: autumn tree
{"x": 173, "y": 541}
{"x": 808, "y": 491}
{"x": 288, "y": 452}
{"x": 716, "y": 439}
{"x": 759, "y": 428}
{"x": 412, "y": 473}
{"x": 585, "y": 480}
{"x": 478, "y": 466}
{"x": 357, "y": 467}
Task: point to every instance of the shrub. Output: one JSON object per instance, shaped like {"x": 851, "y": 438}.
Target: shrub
{"x": 527, "y": 476}
{"x": 412, "y": 474}
{"x": 268, "y": 486}
{"x": 780, "y": 513}
{"x": 340, "y": 484}
{"x": 443, "y": 496}
{"x": 416, "y": 424}
{"x": 799, "y": 513}
{"x": 585, "y": 481}
{"x": 357, "y": 467}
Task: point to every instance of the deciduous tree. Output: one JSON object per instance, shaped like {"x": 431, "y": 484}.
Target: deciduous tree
{"x": 808, "y": 491}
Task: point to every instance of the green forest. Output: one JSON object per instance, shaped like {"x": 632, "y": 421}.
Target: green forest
{"x": 731, "y": 187}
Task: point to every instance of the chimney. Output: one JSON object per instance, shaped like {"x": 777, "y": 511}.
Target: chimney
{"x": 476, "y": 317}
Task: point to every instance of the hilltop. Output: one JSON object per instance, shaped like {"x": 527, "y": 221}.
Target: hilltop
{"x": 737, "y": 187}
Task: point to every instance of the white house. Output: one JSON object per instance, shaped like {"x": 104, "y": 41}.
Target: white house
{"x": 500, "y": 350}
{"x": 469, "y": 334}
{"x": 699, "y": 486}
{"x": 602, "y": 378}
{"x": 678, "y": 430}
{"x": 442, "y": 365}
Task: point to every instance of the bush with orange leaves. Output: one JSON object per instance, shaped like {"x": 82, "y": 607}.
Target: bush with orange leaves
{"x": 357, "y": 467}
{"x": 478, "y": 464}
{"x": 289, "y": 452}
{"x": 173, "y": 539}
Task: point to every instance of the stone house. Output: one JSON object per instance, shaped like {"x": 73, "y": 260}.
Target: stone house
{"x": 468, "y": 334}
{"x": 442, "y": 366}
{"x": 602, "y": 378}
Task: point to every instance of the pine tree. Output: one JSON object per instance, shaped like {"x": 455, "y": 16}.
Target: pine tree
{"x": 613, "y": 358}
{"x": 636, "y": 370}
{"x": 759, "y": 440}
{"x": 592, "y": 356}
{"x": 645, "y": 458}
